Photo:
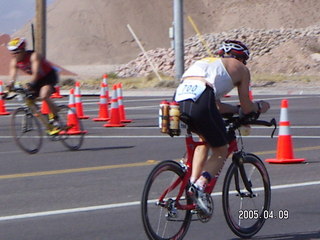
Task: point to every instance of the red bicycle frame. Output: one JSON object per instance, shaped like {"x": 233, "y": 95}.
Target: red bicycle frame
{"x": 191, "y": 146}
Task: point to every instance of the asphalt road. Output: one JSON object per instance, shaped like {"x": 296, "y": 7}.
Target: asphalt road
{"x": 94, "y": 193}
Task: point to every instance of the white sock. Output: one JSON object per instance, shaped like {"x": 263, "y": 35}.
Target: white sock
{"x": 193, "y": 180}
{"x": 201, "y": 184}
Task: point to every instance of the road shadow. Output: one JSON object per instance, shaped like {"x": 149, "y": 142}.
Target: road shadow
{"x": 291, "y": 236}
{"x": 145, "y": 125}
{"x": 88, "y": 149}
{"x": 104, "y": 148}
{"x": 312, "y": 162}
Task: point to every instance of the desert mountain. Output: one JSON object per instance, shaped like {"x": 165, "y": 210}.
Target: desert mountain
{"x": 95, "y": 32}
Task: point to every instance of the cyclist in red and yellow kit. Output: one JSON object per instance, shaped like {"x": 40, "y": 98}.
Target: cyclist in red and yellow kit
{"x": 43, "y": 75}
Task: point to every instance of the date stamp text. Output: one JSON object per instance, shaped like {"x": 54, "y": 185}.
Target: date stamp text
{"x": 248, "y": 214}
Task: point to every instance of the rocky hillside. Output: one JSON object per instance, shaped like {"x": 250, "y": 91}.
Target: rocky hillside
{"x": 286, "y": 51}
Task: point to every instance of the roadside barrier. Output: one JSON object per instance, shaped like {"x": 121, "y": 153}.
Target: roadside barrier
{"x": 78, "y": 102}
{"x": 121, "y": 105}
{"x": 284, "y": 146}
{"x": 103, "y": 106}
{"x": 115, "y": 114}
{"x": 3, "y": 110}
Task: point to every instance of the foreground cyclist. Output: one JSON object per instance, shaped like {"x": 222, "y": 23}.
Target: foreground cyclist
{"x": 199, "y": 93}
{"x": 43, "y": 75}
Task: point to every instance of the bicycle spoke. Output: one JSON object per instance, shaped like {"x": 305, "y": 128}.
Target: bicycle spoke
{"x": 70, "y": 138}
{"x": 161, "y": 218}
{"x": 26, "y": 130}
{"x": 243, "y": 209}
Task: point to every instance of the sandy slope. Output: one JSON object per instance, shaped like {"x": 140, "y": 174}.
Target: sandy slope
{"x": 94, "y": 32}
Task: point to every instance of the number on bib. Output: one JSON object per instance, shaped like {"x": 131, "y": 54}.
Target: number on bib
{"x": 190, "y": 90}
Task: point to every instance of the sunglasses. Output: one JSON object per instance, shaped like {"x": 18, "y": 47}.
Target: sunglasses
{"x": 16, "y": 52}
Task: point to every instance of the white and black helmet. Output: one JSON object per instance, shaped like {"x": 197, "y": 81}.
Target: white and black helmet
{"x": 236, "y": 48}
{"x": 17, "y": 44}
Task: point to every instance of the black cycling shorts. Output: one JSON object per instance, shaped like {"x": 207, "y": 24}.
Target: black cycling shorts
{"x": 205, "y": 118}
{"x": 50, "y": 79}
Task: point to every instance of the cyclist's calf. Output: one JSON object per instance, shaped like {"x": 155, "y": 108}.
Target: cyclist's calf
{"x": 217, "y": 159}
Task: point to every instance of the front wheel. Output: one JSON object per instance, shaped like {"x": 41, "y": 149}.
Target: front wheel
{"x": 72, "y": 133}
{"x": 26, "y": 130}
{"x": 162, "y": 220}
{"x": 245, "y": 211}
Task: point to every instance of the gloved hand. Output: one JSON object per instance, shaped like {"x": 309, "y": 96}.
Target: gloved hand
{"x": 10, "y": 86}
{"x": 248, "y": 117}
{"x": 30, "y": 86}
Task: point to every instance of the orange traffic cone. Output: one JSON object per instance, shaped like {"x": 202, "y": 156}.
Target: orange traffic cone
{"x": 79, "y": 106}
{"x": 45, "y": 108}
{"x": 106, "y": 88}
{"x": 121, "y": 106}
{"x": 56, "y": 94}
{"x": 285, "y": 146}
{"x": 103, "y": 106}
{"x": 72, "y": 117}
{"x": 3, "y": 110}
{"x": 115, "y": 114}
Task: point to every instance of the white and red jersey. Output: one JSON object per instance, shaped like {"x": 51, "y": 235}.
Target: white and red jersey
{"x": 213, "y": 71}
{"x": 25, "y": 65}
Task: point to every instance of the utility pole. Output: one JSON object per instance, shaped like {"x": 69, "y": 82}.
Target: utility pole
{"x": 178, "y": 37}
{"x": 40, "y": 31}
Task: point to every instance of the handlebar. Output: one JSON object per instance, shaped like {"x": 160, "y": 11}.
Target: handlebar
{"x": 16, "y": 91}
{"x": 235, "y": 122}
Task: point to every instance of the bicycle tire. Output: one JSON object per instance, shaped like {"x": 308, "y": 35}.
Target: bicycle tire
{"x": 164, "y": 222}
{"x": 26, "y": 130}
{"x": 247, "y": 219}
{"x": 73, "y": 141}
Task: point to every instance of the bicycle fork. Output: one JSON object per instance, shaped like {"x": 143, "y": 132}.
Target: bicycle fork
{"x": 238, "y": 160}
{"x": 27, "y": 124}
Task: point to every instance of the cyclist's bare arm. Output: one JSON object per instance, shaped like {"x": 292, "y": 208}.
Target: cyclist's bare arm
{"x": 35, "y": 66}
{"x": 226, "y": 108}
{"x": 247, "y": 105}
{"x": 240, "y": 76}
{"x": 243, "y": 86}
{"x": 13, "y": 70}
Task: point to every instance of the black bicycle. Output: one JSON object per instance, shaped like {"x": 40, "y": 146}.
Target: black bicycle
{"x": 27, "y": 121}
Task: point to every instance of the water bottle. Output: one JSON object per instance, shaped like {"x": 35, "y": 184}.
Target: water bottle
{"x": 164, "y": 116}
{"x": 174, "y": 114}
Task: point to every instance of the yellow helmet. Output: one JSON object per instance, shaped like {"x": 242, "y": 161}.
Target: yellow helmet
{"x": 17, "y": 44}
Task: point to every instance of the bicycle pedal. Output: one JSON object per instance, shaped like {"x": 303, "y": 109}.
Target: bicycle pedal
{"x": 54, "y": 132}
{"x": 204, "y": 218}
{"x": 65, "y": 128}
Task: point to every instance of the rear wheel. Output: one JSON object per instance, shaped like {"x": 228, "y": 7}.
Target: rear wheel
{"x": 72, "y": 134}
{"x": 245, "y": 211}
{"x": 26, "y": 130}
{"x": 162, "y": 220}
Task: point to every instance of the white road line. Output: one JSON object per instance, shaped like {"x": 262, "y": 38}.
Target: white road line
{"x": 253, "y": 127}
{"x": 166, "y": 136}
{"x": 127, "y": 204}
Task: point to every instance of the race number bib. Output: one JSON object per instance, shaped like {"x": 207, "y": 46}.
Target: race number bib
{"x": 190, "y": 89}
